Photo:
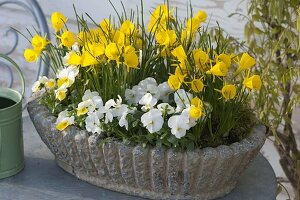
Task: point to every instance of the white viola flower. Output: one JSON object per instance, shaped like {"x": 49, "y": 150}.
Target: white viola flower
{"x": 148, "y": 102}
{"x": 190, "y": 121}
{"x": 67, "y": 76}
{"x": 165, "y": 91}
{"x": 113, "y": 109}
{"x": 64, "y": 120}
{"x": 66, "y": 58}
{"x": 83, "y": 107}
{"x": 147, "y": 81}
{"x": 178, "y": 125}
{"x": 123, "y": 120}
{"x": 97, "y": 101}
{"x": 61, "y": 92}
{"x": 153, "y": 89}
{"x": 75, "y": 47}
{"x": 131, "y": 97}
{"x": 92, "y": 123}
{"x": 166, "y": 108}
{"x": 37, "y": 86}
{"x": 182, "y": 99}
{"x": 152, "y": 120}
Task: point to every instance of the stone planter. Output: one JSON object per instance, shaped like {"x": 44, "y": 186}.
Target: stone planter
{"x": 155, "y": 173}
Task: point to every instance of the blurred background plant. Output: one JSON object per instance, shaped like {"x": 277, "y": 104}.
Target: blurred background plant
{"x": 272, "y": 32}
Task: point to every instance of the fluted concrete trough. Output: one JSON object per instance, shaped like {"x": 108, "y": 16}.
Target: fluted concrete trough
{"x": 155, "y": 173}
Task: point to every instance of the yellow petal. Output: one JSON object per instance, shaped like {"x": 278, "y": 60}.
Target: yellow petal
{"x": 62, "y": 125}
{"x": 246, "y": 62}
{"x": 197, "y": 85}
{"x": 229, "y": 91}
{"x": 195, "y": 112}
{"x": 254, "y": 82}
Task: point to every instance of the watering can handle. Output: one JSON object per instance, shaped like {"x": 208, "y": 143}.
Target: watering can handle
{"x": 14, "y": 64}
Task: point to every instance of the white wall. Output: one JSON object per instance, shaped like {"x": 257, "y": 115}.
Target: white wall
{"x": 218, "y": 10}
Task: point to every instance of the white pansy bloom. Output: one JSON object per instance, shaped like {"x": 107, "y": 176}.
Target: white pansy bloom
{"x": 36, "y": 87}
{"x": 75, "y": 47}
{"x": 166, "y": 108}
{"x": 97, "y": 101}
{"x": 148, "y": 102}
{"x": 92, "y": 123}
{"x": 190, "y": 121}
{"x": 179, "y": 125}
{"x": 113, "y": 109}
{"x": 133, "y": 95}
{"x": 67, "y": 76}
{"x": 83, "y": 107}
{"x": 123, "y": 120}
{"x": 147, "y": 81}
{"x": 165, "y": 91}
{"x": 64, "y": 120}
{"x": 182, "y": 99}
{"x": 152, "y": 120}
{"x": 61, "y": 92}
{"x": 66, "y": 58}
{"x": 153, "y": 89}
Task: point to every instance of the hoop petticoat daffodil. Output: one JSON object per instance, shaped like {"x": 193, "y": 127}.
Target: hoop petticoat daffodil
{"x": 219, "y": 69}
{"x": 39, "y": 43}
{"x": 254, "y": 82}
{"x": 31, "y": 55}
{"x": 58, "y": 20}
{"x": 67, "y": 39}
{"x": 229, "y": 92}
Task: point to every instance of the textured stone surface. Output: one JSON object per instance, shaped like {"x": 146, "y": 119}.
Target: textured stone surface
{"x": 155, "y": 173}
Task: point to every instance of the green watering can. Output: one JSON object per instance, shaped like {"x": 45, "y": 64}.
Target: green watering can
{"x": 11, "y": 136}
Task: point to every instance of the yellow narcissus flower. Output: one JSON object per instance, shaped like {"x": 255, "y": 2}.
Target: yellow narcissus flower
{"x": 229, "y": 92}
{"x": 127, "y": 28}
{"x": 200, "y": 58}
{"x": 197, "y": 85}
{"x": 31, "y": 55}
{"x": 38, "y": 43}
{"x": 197, "y": 102}
{"x": 166, "y": 38}
{"x": 179, "y": 53}
{"x": 112, "y": 51}
{"x": 74, "y": 59}
{"x": 224, "y": 58}
{"x": 186, "y": 35}
{"x": 88, "y": 59}
{"x": 58, "y": 20}
{"x": 120, "y": 39}
{"x": 192, "y": 25}
{"x": 175, "y": 81}
{"x": 253, "y": 82}
{"x": 68, "y": 39}
{"x": 246, "y": 62}
{"x": 201, "y": 16}
{"x": 219, "y": 69}
{"x": 105, "y": 26}
{"x": 195, "y": 112}
{"x": 131, "y": 60}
